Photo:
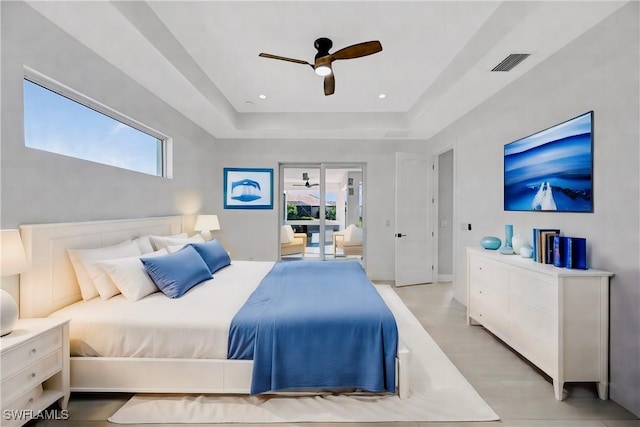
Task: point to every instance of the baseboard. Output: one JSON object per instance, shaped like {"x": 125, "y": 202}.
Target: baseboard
{"x": 445, "y": 277}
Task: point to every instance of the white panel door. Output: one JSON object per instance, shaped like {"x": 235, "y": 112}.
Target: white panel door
{"x": 414, "y": 228}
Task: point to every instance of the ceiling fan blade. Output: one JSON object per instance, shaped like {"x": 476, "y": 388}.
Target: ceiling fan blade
{"x": 358, "y": 50}
{"x": 283, "y": 58}
{"x": 329, "y": 84}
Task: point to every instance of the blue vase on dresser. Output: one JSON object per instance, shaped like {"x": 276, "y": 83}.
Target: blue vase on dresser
{"x": 507, "y": 248}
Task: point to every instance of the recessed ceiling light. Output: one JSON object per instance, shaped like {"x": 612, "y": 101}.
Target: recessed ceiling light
{"x": 382, "y": 96}
{"x": 262, "y": 96}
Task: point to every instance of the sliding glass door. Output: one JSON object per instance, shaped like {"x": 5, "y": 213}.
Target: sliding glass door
{"x": 322, "y": 204}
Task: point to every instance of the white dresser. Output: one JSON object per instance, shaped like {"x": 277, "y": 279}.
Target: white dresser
{"x": 557, "y": 318}
{"x": 35, "y": 369}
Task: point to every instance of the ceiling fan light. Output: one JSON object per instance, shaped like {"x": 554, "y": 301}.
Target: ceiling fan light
{"x": 323, "y": 70}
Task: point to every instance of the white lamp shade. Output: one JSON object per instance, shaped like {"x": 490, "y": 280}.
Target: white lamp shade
{"x": 207, "y": 223}
{"x": 12, "y": 257}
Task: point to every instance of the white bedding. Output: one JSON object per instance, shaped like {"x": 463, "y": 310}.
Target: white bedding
{"x": 193, "y": 326}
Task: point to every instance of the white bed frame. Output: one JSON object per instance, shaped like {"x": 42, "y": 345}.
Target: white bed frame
{"x": 50, "y": 284}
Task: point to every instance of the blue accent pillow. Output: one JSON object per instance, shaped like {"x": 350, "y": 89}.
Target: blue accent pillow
{"x": 213, "y": 254}
{"x": 174, "y": 274}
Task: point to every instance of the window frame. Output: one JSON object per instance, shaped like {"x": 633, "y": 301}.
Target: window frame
{"x": 166, "y": 142}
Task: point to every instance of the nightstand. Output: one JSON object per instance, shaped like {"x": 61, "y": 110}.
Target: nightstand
{"x": 35, "y": 368}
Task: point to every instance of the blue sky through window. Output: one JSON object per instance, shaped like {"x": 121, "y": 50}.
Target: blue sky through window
{"x": 60, "y": 125}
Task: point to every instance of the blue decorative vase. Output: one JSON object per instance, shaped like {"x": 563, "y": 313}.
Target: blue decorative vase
{"x": 490, "y": 242}
{"x": 507, "y": 249}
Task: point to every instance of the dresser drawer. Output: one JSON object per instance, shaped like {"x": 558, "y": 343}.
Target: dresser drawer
{"x": 490, "y": 297}
{"x": 534, "y": 321}
{"x": 538, "y": 291}
{"x": 541, "y": 352}
{"x": 489, "y": 274}
{"x": 28, "y": 352}
{"x": 31, "y": 376}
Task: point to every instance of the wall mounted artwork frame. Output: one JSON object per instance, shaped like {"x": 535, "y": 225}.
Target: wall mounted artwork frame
{"x": 551, "y": 170}
{"x": 248, "y": 188}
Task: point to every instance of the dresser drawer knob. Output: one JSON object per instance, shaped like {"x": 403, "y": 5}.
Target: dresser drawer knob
{"x": 33, "y": 375}
{"x": 31, "y": 400}
{"x": 33, "y": 351}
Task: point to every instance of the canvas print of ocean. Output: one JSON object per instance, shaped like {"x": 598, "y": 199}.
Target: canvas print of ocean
{"x": 551, "y": 170}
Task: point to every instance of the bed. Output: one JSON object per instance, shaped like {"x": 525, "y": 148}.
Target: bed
{"x": 136, "y": 364}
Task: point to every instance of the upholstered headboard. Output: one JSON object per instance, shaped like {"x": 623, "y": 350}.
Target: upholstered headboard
{"x": 50, "y": 283}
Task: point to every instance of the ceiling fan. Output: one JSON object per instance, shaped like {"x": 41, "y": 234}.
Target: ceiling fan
{"x": 323, "y": 59}
{"x": 305, "y": 177}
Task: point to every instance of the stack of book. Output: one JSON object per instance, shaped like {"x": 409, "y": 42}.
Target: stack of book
{"x": 543, "y": 244}
{"x": 549, "y": 247}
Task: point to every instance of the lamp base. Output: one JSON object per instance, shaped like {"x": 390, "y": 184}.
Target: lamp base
{"x": 8, "y": 313}
{"x": 206, "y": 235}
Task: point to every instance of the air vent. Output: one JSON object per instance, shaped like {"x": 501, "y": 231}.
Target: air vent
{"x": 511, "y": 61}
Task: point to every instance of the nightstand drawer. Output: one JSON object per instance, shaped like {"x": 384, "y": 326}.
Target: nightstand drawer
{"x": 23, "y": 402}
{"x": 31, "y": 376}
{"x": 30, "y": 351}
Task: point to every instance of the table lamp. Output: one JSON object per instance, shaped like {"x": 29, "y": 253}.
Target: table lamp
{"x": 206, "y": 223}
{"x": 12, "y": 261}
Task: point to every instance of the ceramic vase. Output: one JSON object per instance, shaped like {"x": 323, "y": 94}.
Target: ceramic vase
{"x": 8, "y": 313}
{"x": 526, "y": 251}
{"x": 490, "y": 243}
{"x": 507, "y": 249}
{"x": 516, "y": 243}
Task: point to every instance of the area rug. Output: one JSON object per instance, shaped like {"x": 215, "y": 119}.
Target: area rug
{"x": 437, "y": 392}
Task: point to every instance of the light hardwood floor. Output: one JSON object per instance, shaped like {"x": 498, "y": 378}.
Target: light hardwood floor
{"x": 517, "y": 392}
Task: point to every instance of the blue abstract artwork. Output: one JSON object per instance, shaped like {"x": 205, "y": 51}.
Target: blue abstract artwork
{"x": 246, "y": 188}
{"x": 551, "y": 170}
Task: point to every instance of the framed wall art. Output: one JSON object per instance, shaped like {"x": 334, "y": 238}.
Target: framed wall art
{"x": 551, "y": 170}
{"x": 248, "y": 188}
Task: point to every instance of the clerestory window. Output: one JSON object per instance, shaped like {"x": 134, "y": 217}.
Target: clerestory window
{"x": 62, "y": 121}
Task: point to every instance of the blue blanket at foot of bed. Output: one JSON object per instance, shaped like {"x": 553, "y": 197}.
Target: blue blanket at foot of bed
{"x": 316, "y": 325}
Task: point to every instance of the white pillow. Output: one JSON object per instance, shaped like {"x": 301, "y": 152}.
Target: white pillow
{"x": 88, "y": 273}
{"x": 162, "y": 242}
{"x": 130, "y": 276}
{"x": 173, "y": 236}
{"x": 144, "y": 243}
{"x": 286, "y": 234}
{"x": 175, "y": 248}
{"x": 356, "y": 237}
{"x": 348, "y": 232}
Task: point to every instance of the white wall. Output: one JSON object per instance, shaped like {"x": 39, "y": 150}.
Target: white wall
{"x": 253, "y": 235}
{"x": 600, "y": 72}
{"x": 37, "y": 186}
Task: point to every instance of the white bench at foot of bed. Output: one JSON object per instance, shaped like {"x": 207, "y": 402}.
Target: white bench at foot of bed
{"x": 149, "y": 375}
